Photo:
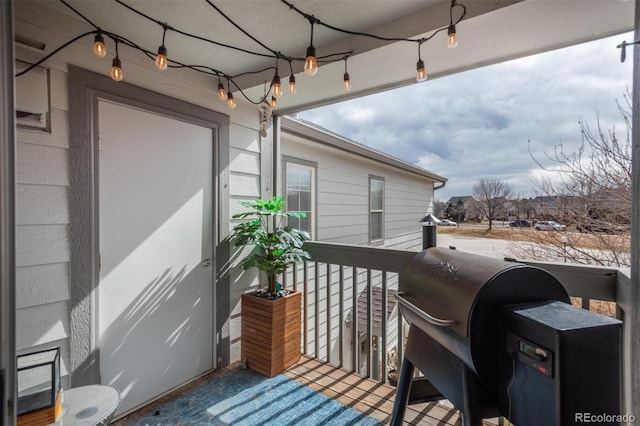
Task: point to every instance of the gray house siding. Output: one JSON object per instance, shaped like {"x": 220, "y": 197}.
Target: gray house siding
{"x": 44, "y": 246}
{"x": 42, "y": 230}
{"x": 342, "y": 216}
{"x": 343, "y": 195}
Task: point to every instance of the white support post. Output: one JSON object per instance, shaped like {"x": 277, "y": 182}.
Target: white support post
{"x": 635, "y": 225}
{"x": 7, "y": 218}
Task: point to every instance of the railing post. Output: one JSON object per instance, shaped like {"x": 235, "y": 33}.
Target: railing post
{"x": 383, "y": 329}
{"x": 328, "y": 312}
{"x": 354, "y": 323}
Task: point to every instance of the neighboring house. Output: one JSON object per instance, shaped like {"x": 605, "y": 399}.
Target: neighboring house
{"x": 460, "y": 207}
{"x": 353, "y": 194}
{"x": 357, "y": 195}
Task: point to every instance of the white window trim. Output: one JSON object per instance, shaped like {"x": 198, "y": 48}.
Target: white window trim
{"x": 309, "y": 165}
{"x": 377, "y": 241}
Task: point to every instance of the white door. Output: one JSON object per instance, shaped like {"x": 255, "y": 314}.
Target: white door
{"x": 155, "y": 299}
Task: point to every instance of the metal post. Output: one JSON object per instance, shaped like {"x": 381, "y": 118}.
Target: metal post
{"x": 635, "y": 222}
{"x": 429, "y": 236}
{"x": 7, "y": 218}
{"x": 429, "y": 233}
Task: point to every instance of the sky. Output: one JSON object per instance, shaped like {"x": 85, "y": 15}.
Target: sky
{"x": 477, "y": 124}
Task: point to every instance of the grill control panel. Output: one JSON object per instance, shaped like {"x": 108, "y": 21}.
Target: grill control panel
{"x": 535, "y": 356}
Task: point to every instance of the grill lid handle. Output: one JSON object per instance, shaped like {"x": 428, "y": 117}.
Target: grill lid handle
{"x": 422, "y": 314}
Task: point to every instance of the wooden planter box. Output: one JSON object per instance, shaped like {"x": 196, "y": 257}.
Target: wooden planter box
{"x": 271, "y": 332}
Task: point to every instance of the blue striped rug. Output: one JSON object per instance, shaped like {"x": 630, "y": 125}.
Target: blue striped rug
{"x": 246, "y": 398}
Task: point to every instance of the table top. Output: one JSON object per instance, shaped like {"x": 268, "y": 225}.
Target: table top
{"x": 88, "y": 405}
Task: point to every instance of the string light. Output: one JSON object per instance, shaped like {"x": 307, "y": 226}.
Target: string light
{"x": 222, "y": 94}
{"x": 421, "y": 74}
{"x": 161, "y": 57}
{"x": 311, "y": 63}
{"x": 346, "y": 79}
{"x": 116, "y": 68}
{"x": 292, "y": 81}
{"x": 274, "y": 102}
{"x": 452, "y": 37}
{"x": 311, "y": 59}
{"x": 276, "y": 88}
{"x": 230, "y": 101}
{"x": 99, "y": 48}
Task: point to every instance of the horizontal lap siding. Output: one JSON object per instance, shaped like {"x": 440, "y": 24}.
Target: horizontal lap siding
{"x": 244, "y": 185}
{"x": 343, "y": 195}
{"x": 42, "y": 231}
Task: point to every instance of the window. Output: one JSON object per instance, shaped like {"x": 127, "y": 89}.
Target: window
{"x": 376, "y": 209}
{"x": 300, "y": 194}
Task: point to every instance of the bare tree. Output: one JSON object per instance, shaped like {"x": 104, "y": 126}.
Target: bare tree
{"x": 439, "y": 208}
{"x": 591, "y": 192}
{"x": 490, "y": 197}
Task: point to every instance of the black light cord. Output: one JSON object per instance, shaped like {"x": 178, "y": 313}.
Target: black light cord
{"x": 315, "y": 20}
{"x": 232, "y": 22}
{"x": 623, "y": 47}
{"x": 329, "y": 58}
{"x": 73, "y": 40}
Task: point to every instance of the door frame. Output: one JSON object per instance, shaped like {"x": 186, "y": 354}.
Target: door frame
{"x": 85, "y": 88}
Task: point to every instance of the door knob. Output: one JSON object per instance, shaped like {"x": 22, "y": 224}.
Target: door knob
{"x": 206, "y": 262}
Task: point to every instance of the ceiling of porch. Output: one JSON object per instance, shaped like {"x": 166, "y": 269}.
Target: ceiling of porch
{"x": 491, "y": 31}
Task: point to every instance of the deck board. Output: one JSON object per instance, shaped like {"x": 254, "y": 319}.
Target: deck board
{"x": 366, "y": 396}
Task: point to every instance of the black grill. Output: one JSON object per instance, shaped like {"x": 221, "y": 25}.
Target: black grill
{"x": 491, "y": 336}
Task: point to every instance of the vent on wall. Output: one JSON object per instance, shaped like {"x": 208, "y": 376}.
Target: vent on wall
{"x": 32, "y": 98}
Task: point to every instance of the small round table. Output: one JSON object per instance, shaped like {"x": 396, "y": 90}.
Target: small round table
{"x": 88, "y": 405}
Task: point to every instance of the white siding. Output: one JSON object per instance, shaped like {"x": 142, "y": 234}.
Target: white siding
{"x": 343, "y": 195}
{"x": 42, "y": 233}
{"x": 43, "y": 176}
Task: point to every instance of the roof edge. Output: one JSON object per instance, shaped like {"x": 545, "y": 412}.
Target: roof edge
{"x": 302, "y": 128}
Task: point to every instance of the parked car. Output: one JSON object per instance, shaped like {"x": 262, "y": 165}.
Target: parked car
{"x": 447, "y": 222}
{"x": 594, "y": 225}
{"x": 520, "y": 224}
{"x": 549, "y": 225}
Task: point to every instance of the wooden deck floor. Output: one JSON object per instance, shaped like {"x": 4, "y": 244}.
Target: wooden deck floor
{"x": 364, "y": 395}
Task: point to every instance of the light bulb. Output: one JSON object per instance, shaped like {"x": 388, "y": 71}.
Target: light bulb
{"x": 452, "y": 37}
{"x": 422, "y": 72}
{"x": 99, "y": 47}
{"x": 274, "y": 103}
{"x": 230, "y": 101}
{"x": 276, "y": 88}
{"x": 222, "y": 94}
{"x": 292, "y": 85}
{"x": 311, "y": 64}
{"x": 161, "y": 58}
{"x": 347, "y": 82}
{"x": 116, "y": 69}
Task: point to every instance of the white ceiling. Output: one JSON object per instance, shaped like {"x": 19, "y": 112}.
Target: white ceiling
{"x": 492, "y": 31}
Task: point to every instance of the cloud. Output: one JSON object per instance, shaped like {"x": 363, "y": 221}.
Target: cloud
{"x": 478, "y": 124}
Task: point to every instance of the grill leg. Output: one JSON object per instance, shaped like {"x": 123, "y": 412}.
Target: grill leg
{"x": 402, "y": 392}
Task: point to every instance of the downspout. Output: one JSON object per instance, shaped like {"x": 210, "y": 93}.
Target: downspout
{"x": 7, "y": 219}
{"x": 635, "y": 223}
{"x": 435, "y": 188}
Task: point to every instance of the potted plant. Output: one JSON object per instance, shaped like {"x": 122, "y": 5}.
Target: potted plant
{"x": 270, "y": 316}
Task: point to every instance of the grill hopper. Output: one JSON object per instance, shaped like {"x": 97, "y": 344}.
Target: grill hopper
{"x": 455, "y": 297}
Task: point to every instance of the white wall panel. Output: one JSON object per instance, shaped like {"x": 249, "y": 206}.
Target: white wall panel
{"x": 42, "y": 244}
{"x": 38, "y": 164}
{"x": 43, "y": 324}
{"x": 42, "y": 204}
{"x": 41, "y": 284}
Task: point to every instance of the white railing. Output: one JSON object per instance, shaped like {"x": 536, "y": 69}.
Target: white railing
{"x": 347, "y": 285}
